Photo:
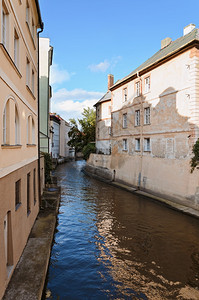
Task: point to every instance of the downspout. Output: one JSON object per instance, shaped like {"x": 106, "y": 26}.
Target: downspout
{"x": 38, "y": 115}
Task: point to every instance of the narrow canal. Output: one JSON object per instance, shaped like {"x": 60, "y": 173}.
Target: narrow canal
{"x": 111, "y": 244}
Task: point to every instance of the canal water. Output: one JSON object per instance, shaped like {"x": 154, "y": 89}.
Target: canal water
{"x": 112, "y": 244}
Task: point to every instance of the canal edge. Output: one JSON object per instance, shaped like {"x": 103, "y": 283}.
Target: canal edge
{"x": 104, "y": 176}
{"x": 29, "y": 277}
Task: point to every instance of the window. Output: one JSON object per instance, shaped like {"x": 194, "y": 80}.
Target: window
{"x": 109, "y": 130}
{"x": 4, "y": 26}
{"x": 33, "y": 30}
{"x": 137, "y": 89}
{"x": 28, "y": 193}
{"x": 147, "y": 84}
{"x": 16, "y": 48}
{"x": 147, "y": 115}
{"x": 17, "y": 193}
{"x": 137, "y": 118}
{"x": 16, "y": 126}
{"x": 147, "y": 146}
{"x": 5, "y": 126}
{"x": 124, "y": 144}
{"x": 33, "y": 82}
{"x": 34, "y": 186}
{"x": 137, "y": 144}
{"x": 30, "y": 131}
{"x": 124, "y": 120}
{"x": 125, "y": 94}
{"x": 27, "y": 72}
{"x": 27, "y": 13}
{"x": 11, "y": 124}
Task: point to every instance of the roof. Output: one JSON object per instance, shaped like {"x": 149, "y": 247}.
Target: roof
{"x": 167, "y": 51}
{"x": 105, "y": 98}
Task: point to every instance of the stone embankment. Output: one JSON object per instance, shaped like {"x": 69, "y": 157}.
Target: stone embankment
{"x": 29, "y": 276}
{"x": 107, "y": 176}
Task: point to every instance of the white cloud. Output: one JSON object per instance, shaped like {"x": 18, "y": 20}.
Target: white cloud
{"x": 70, "y": 104}
{"x": 58, "y": 76}
{"x": 101, "y": 67}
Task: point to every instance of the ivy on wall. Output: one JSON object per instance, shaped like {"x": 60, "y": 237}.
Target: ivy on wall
{"x": 195, "y": 159}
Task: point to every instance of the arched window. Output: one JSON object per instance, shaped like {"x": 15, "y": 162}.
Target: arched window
{"x": 30, "y": 131}
{"x": 11, "y": 132}
{"x": 4, "y": 126}
{"x": 16, "y": 126}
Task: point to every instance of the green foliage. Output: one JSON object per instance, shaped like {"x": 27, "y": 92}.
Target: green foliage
{"x": 80, "y": 138}
{"x": 48, "y": 166}
{"x": 75, "y": 136}
{"x": 195, "y": 159}
{"x": 88, "y": 149}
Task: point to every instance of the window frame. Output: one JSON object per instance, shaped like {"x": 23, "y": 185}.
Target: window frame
{"x": 16, "y": 48}
{"x": 125, "y": 94}
{"x": 137, "y": 144}
{"x": 147, "y": 115}
{"x": 34, "y": 186}
{"x": 125, "y": 145}
{"x": 137, "y": 88}
{"x": 137, "y": 117}
{"x": 124, "y": 120}
{"x": 147, "y": 85}
{"x": 147, "y": 145}
{"x": 27, "y": 72}
{"x": 5, "y": 25}
{"x": 28, "y": 193}
{"x": 17, "y": 194}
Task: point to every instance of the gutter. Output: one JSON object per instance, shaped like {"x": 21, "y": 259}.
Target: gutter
{"x": 38, "y": 115}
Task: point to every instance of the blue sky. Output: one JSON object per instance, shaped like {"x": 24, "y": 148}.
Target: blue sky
{"x": 92, "y": 38}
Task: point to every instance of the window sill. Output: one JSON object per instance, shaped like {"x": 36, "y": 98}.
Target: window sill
{"x": 125, "y": 150}
{"x": 137, "y": 125}
{"x": 137, "y": 150}
{"x": 6, "y": 146}
{"x": 147, "y": 124}
{"x": 147, "y": 151}
{"x": 29, "y": 90}
{"x": 17, "y": 206}
{"x": 31, "y": 145}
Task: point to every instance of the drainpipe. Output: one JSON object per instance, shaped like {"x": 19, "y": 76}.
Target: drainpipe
{"x": 38, "y": 115}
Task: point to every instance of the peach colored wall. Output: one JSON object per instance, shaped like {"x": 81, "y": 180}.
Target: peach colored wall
{"x": 17, "y": 157}
{"x": 21, "y": 223}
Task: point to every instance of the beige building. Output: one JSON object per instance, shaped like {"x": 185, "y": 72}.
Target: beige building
{"x": 18, "y": 114}
{"x": 45, "y": 93}
{"x": 103, "y": 121}
{"x": 155, "y": 121}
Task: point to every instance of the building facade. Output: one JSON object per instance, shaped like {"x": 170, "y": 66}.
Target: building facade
{"x": 155, "y": 122}
{"x": 64, "y": 138}
{"x": 45, "y": 92}
{"x": 18, "y": 130}
{"x": 103, "y": 121}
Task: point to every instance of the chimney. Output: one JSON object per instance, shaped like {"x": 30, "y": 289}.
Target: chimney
{"x": 110, "y": 81}
{"x": 165, "y": 42}
{"x": 188, "y": 28}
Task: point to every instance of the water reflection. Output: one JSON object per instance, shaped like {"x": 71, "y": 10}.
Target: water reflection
{"x": 111, "y": 244}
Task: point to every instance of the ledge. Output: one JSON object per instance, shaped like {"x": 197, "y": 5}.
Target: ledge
{"x": 29, "y": 90}
{"x": 31, "y": 145}
{"x": 7, "y": 146}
